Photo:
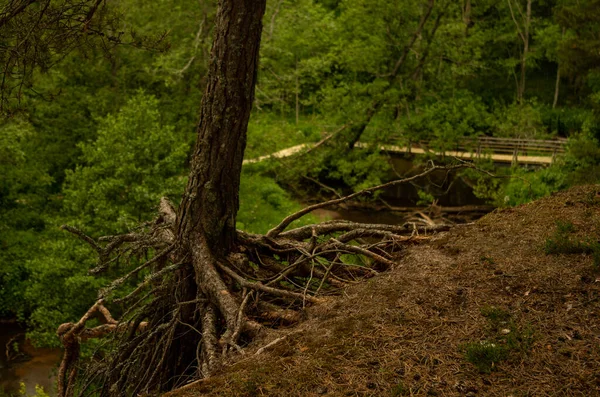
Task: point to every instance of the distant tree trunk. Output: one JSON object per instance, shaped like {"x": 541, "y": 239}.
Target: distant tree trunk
{"x": 525, "y": 52}
{"x": 556, "y": 87}
{"x": 297, "y": 94}
{"x": 467, "y": 16}
{"x": 523, "y": 32}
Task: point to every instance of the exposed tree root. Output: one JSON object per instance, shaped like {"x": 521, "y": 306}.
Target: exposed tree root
{"x": 194, "y": 309}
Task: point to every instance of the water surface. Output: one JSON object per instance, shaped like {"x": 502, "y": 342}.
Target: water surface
{"x": 31, "y": 366}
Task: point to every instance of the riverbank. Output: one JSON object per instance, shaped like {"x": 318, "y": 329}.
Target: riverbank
{"x": 21, "y": 362}
{"x": 507, "y": 306}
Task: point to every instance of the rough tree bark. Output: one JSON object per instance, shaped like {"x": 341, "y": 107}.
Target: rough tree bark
{"x": 210, "y": 203}
{"x": 207, "y": 214}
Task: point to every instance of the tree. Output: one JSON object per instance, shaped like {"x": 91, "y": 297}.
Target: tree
{"x": 194, "y": 304}
{"x": 205, "y": 223}
{"x": 36, "y": 34}
{"x": 523, "y": 25}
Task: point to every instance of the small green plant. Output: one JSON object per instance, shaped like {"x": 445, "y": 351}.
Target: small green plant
{"x": 591, "y": 198}
{"x": 400, "y": 390}
{"x": 425, "y": 198}
{"x": 495, "y": 315}
{"x": 486, "y": 260}
{"x": 505, "y": 338}
{"x": 39, "y": 391}
{"x": 563, "y": 242}
{"x": 250, "y": 387}
{"x": 484, "y": 355}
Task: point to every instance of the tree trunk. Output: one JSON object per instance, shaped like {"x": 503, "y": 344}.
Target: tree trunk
{"x": 527, "y": 24}
{"x": 467, "y": 16}
{"x": 557, "y": 85}
{"x": 207, "y": 215}
{"x": 556, "y": 88}
{"x": 297, "y": 94}
{"x": 210, "y": 203}
{"x": 524, "y": 35}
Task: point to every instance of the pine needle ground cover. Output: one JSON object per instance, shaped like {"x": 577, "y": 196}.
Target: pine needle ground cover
{"x": 480, "y": 310}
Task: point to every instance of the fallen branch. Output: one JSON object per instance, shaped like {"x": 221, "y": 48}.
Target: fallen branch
{"x": 286, "y": 222}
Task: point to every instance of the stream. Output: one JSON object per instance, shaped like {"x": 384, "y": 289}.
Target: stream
{"x": 29, "y": 365}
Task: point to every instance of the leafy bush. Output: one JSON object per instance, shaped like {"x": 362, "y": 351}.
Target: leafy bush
{"x": 23, "y": 192}
{"x": 445, "y": 122}
{"x": 519, "y": 121}
{"x": 135, "y": 160}
{"x": 263, "y": 204}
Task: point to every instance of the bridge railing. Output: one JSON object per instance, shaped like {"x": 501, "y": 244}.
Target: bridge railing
{"x": 509, "y": 145}
{"x": 514, "y": 147}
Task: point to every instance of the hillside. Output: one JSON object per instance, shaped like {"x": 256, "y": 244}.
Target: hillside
{"x": 529, "y": 320}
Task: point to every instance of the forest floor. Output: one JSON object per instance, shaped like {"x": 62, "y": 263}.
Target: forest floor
{"x": 481, "y": 310}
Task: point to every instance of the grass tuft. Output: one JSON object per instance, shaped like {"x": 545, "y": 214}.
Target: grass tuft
{"x": 484, "y": 355}
{"x": 563, "y": 242}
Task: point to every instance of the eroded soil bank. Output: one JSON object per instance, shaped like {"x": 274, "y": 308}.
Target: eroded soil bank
{"x": 480, "y": 310}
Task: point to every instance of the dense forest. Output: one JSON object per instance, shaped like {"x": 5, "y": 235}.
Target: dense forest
{"x": 96, "y": 130}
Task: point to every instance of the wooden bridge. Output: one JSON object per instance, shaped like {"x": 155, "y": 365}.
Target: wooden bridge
{"x": 501, "y": 150}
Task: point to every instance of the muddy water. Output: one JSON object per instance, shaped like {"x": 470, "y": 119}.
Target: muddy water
{"x": 31, "y": 366}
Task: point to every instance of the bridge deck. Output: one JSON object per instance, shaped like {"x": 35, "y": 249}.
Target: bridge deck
{"x": 500, "y": 150}
{"x": 471, "y": 155}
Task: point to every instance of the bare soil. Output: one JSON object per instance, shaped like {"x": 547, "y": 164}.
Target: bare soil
{"x": 406, "y": 332}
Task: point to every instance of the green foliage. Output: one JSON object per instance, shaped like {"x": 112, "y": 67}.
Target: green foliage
{"x": 582, "y": 162}
{"x": 445, "y": 122}
{"x": 59, "y": 289}
{"x": 263, "y": 204}
{"x": 358, "y": 169}
{"x": 526, "y": 185}
{"x": 22, "y": 198}
{"x": 39, "y": 391}
{"x": 495, "y": 315}
{"x": 268, "y": 134}
{"x": 134, "y": 161}
{"x": 425, "y": 198}
{"x": 520, "y": 121}
{"x": 485, "y": 355}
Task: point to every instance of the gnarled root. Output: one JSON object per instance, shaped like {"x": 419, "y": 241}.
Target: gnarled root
{"x": 195, "y": 308}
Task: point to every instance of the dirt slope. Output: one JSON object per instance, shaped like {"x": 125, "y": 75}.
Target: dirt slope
{"x": 530, "y": 320}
